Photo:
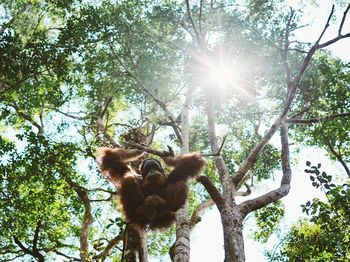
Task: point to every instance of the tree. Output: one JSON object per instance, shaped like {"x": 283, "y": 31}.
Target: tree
{"x": 327, "y": 124}
{"x": 139, "y": 74}
{"x": 232, "y": 214}
{"x": 326, "y": 234}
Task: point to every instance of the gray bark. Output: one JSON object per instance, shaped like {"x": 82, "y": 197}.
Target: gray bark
{"x": 182, "y": 242}
{"x": 231, "y": 219}
{"x": 135, "y": 246}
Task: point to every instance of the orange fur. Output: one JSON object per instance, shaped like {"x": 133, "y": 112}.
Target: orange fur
{"x": 153, "y": 200}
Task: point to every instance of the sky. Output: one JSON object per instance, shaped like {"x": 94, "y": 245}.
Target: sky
{"x": 316, "y": 19}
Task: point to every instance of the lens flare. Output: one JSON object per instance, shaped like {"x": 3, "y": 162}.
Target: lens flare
{"x": 221, "y": 75}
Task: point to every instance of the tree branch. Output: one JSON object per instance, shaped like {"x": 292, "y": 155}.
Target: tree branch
{"x": 212, "y": 191}
{"x": 87, "y": 221}
{"x": 343, "y": 19}
{"x": 26, "y": 117}
{"x": 109, "y": 100}
{"x": 316, "y": 120}
{"x": 70, "y": 115}
{"x": 245, "y": 193}
{"x": 61, "y": 254}
{"x": 189, "y": 13}
{"x": 196, "y": 215}
{"x": 149, "y": 149}
{"x": 98, "y": 118}
{"x": 291, "y": 91}
{"x": 36, "y": 235}
{"x": 218, "y": 153}
{"x": 225, "y": 178}
{"x": 286, "y": 46}
{"x": 158, "y": 101}
{"x": 103, "y": 130}
{"x": 100, "y": 189}
{"x": 33, "y": 253}
{"x": 339, "y": 157}
{"x": 326, "y": 25}
{"x": 22, "y": 247}
{"x": 111, "y": 244}
{"x": 274, "y": 195}
{"x": 102, "y": 200}
{"x": 200, "y": 17}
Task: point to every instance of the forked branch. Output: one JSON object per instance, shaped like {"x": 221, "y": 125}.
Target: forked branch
{"x": 218, "y": 153}
{"x": 291, "y": 91}
{"x": 189, "y": 13}
{"x": 162, "y": 105}
{"x": 274, "y": 195}
{"x": 111, "y": 244}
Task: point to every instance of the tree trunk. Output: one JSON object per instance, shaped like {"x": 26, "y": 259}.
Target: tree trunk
{"x": 231, "y": 219}
{"x": 182, "y": 243}
{"x": 136, "y": 244}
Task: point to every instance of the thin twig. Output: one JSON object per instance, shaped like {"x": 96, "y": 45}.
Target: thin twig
{"x": 245, "y": 193}
{"x": 26, "y": 117}
{"x": 189, "y": 13}
{"x": 316, "y": 120}
{"x": 218, "y": 153}
{"x": 149, "y": 149}
{"x": 326, "y": 25}
{"x": 106, "y": 106}
{"x": 111, "y": 244}
{"x": 338, "y": 157}
{"x": 68, "y": 114}
{"x": 343, "y": 20}
{"x": 61, "y": 254}
{"x": 200, "y": 17}
{"x": 103, "y": 130}
{"x": 286, "y": 47}
{"x": 145, "y": 89}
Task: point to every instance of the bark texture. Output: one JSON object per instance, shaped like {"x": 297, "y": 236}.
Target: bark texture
{"x": 231, "y": 219}
{"x": 136, "y": 244}
{"x": 182, "y": 243}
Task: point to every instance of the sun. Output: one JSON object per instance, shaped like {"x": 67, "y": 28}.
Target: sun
{"x": 216, "y": 70}
{"x": 221, "y": 75}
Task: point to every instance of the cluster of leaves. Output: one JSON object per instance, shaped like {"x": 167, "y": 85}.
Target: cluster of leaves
{"x": 319, "y": 179}
{"x": 267, "y": 220}
{"x": 325, "y": 236}
{"x": 325, "y": 92}
{"x": 34, "y": 193}
{"x": 159, "y": 243}
{"x": 267, "y": 163}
